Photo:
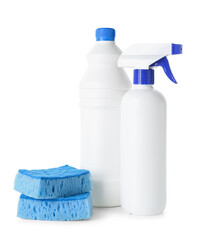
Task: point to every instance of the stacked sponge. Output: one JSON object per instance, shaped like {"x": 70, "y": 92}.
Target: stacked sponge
{"x": 54, "y": 194}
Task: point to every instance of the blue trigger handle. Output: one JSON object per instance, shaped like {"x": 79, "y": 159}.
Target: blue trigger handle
{"x": 163, "y": 62}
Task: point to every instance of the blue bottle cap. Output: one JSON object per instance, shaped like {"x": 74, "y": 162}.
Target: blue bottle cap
{"x": 143, "y": 76}
{"x": 105, "y": 34}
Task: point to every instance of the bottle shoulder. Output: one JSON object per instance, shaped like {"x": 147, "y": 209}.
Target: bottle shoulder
{"x": 102, "y": 71}
{"x": 143, "y": 95}
{"x": 105, "y": 48}
{"x": 105, "y": 78}
{"x": 103, "y": 54}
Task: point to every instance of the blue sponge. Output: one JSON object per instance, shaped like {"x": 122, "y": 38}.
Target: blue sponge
{"x": 52, "y": 183}
{"x": 61, "y": 209}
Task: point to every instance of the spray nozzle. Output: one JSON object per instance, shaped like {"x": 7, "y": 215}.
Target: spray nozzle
{"x": 143, "y": 57}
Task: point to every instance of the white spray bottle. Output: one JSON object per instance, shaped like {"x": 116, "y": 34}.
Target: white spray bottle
{"x": 143, "y": 130}
{"x": 101, "y": 91}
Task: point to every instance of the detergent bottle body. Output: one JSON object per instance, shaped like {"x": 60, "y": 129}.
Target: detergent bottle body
{"x": 101, "y": 91}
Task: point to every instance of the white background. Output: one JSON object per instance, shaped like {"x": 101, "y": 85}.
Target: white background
{"x": 43, "y": 46}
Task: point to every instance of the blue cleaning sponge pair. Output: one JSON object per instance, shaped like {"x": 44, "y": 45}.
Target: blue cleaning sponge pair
{"x": 54, "y": 194}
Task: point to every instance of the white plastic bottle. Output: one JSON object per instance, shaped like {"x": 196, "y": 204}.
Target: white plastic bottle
{"x": 143, "y": 131}
{"x": 101, "y": 90}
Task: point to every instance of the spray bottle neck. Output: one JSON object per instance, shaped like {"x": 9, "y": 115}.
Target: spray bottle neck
{"x": 143, "y": 77}
{"x": 142, "y": 87}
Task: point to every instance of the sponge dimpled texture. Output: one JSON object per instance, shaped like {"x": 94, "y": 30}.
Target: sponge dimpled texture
{"x": 52, "y": 183}
{"x": 78, "y": 207}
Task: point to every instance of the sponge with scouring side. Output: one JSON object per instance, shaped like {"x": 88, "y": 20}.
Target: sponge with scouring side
{"x": 78, "y": 207}
{"x": 52, "y": 183}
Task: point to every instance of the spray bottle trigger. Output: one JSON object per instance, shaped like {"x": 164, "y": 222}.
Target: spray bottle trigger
{"x": 163, "y": 62}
